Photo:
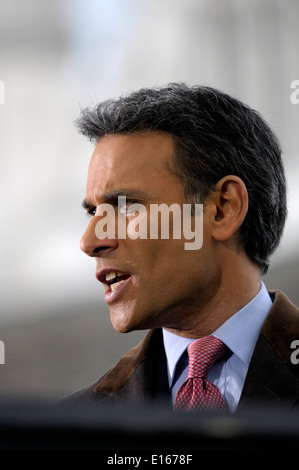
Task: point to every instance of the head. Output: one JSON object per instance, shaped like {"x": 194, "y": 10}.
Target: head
{"x": 206, "y": 136}
{"x": 214, "y": 135}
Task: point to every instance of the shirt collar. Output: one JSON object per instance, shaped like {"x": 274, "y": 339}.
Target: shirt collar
{"x": 240, "y": 332}
{"x": 174, "y": 347}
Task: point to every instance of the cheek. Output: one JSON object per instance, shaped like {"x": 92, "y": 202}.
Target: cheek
{"x": 166, "y": 262}
{"x": 163, "y": 263}
{"x": 181, "y": 269}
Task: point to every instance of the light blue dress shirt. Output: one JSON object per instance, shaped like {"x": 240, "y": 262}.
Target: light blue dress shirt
{"x": 240, "y": 333}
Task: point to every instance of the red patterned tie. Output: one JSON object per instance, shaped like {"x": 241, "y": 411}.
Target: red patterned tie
{"x": 197, "y": 392}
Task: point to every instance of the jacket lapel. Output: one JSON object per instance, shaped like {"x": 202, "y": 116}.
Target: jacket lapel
{"x": 272, "y": 379}
{"x": 268, "y": 382}
{"x": 140, "y": 376}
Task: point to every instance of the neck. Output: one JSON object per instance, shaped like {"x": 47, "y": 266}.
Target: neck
{"x": 235, "y": 288}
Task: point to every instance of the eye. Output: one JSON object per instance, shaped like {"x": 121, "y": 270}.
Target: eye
{"x": 91, "y": 211}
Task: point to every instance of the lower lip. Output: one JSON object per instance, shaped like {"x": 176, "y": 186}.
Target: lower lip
{"x": 110, "y": 296}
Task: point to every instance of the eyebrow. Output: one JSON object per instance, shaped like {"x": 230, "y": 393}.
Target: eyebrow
{"x": 112, "y": 197}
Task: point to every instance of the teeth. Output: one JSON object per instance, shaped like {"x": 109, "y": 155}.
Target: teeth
{"x": 114, "y": 286}
{"x": 110, "y": 276}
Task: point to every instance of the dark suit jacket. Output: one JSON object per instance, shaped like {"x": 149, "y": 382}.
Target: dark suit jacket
{"x": 140, "y": 377}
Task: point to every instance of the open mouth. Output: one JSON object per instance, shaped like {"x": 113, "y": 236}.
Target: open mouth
{"x": 115, "y": 283}
{"x": 114, "y": 279}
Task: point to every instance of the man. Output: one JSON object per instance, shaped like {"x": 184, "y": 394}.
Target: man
{"x": 190, "y": 145}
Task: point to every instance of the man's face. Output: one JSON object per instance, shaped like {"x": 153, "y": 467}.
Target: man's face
{"x": 163, "y": 284}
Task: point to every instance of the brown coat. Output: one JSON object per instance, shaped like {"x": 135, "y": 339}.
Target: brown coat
{"x": 140, "y": 376}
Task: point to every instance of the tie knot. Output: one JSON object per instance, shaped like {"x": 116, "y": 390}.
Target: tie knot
{"x": 203, "y": 353}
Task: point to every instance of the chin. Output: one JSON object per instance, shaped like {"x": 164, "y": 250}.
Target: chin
{"x": 127, "y": 316}
{"x": 122, "y": 328}
{"x": 124, "y": 325}
{"x": 121, "y": 322}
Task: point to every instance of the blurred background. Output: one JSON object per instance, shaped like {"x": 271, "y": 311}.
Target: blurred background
{"x": 57, "y": 57}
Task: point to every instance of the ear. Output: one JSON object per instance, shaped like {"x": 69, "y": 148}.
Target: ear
{"x": 231, "y": 206}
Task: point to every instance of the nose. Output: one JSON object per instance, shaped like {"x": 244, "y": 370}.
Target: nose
{"x": 92, "y": 245}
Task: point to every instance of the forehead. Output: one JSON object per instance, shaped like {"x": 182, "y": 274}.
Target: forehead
{"x": 121, "y": 161}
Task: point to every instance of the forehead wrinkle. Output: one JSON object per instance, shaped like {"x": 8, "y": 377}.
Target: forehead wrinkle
{"x": 111, "y": 196}
{"x": 132, "y": 193}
